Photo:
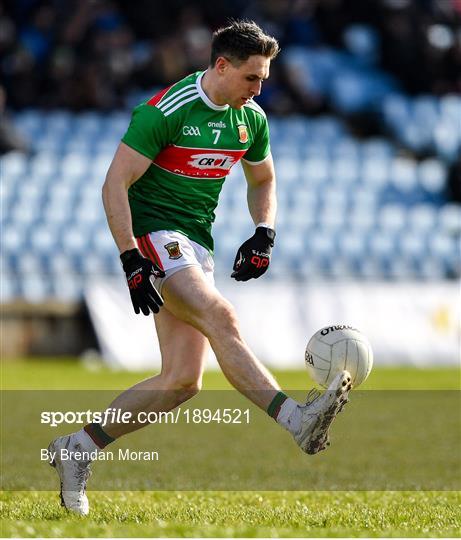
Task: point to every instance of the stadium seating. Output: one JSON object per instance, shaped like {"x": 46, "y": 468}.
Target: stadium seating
{"x": 347, "y": 208}
{"x": 425, "y": 124}
{"x": 348, "y": 80}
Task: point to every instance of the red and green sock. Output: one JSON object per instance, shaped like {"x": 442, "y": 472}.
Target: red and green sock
{"x": 285, "y": 411}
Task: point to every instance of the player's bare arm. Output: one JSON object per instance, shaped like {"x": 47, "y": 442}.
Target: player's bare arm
{"x": 253, "y": 256}
{"x": 127, "y": 166}
{"x": 261, "y": 197}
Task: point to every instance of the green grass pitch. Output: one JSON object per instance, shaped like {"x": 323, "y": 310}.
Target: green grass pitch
{"x": 229, "y": 513}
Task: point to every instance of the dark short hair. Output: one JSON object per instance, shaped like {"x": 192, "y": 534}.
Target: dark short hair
{"x": 240, "y": 40}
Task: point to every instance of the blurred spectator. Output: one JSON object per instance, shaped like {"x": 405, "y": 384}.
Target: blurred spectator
{"x": 10, "y": 140}
{"x": 454, "y": 181}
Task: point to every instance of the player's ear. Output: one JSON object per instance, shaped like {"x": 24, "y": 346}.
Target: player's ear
{"x": 221, "y": 64}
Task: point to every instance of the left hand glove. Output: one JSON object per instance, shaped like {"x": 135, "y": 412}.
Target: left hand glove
{"x": 254, "y": 255}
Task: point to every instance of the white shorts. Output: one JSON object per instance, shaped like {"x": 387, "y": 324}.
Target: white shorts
{"x": 173, "y": 251}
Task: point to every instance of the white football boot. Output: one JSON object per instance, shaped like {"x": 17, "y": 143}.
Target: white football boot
{"x": 73, "y": 475}
{"x": 319, "y": 412}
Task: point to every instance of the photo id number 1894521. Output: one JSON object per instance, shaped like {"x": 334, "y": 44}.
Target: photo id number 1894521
{"x": 218, "y": 416}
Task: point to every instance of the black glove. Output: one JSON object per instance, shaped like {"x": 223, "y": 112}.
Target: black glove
{"x": 140, "y": 274}
{"x": 254, "y": 255}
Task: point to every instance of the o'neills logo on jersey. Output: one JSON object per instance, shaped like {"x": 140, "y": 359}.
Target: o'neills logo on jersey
{"x": 198, "y": 162}
{"x": 211, "y": 161}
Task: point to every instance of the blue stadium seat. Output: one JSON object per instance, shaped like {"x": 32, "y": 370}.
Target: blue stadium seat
{"x": 425, "y": 110}
{"x": 422, "y": 217}
{"x": 81, "y": 145}
{"x": 361, "y": 218}
{"x": 9, "y": 289}
{"x": 117, "y": 122}
{"x": 413, "y": 246}
{"x": 342, "y": 268}
{"x": 432, "y": 176}
{"x": 374, "y": 267}
{"x": 25, "y": 212}
{"x": 291, "y": 244}
{"x": 392, "y": 217}
{"x": 431, "y": 269}
{"x": 352, "y": 243}
{"x": 76, "y": 241}
{"x": 400, "y": 268}
{"x": 327, "y": 129}
{"x": 43, "y": 240}
{"x": 331, "y": 219}
{"x": 377, "y": 148}
{"x": 362, "y": 41}
{"x": 50, "y": 142}
{"x": 402, "y": 174}
{"x": 396, "y": 111}
{"x": 103, "y": 242}
{"x": 450, "y": 106}
{"x": 34, "y": 287}
{"x": 95, "y": 264}
{"x": 443, "y": 246}
{"x": 74, "y": 165}
{"x": 345, "y": 170}
{"x": 288, "y": 171}
{"x": 100, "y": 164}
{"x": 60, "y": 264}
{"x": 59, "y": 120}
{"x": 321, "y": 245}
{"x": 88, "y": 124}
{"x": 449, "y": 219}
{"x": 13, "y": 164}
{"x": 29, "y": 264}
{"x": 67, "y": 287}
{"x": 29, "y": 123}
{"x": 447, "y": 138}
{"x": 56, "y": 213}
{"x": 415, "y": 136}
{"x": 315, "y": 171}
{"x": 375, "y": 172}
{"x": 381, "y": 246}
{"x": 316, "y": 150}
{"x": 364, "y": 198}
{"x": 13, "y": 238}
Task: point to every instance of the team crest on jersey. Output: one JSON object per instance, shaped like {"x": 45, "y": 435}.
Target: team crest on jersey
{"x": 173, "y": 250}
{"x": 243, "y": 133}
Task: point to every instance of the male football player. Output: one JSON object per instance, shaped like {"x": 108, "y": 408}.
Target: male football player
{"x": 160, "y": 194}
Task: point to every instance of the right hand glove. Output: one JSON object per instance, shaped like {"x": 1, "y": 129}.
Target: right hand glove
{"x": 140, "y": 274}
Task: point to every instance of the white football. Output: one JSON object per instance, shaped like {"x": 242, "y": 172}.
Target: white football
{"x": 336, "y": 348}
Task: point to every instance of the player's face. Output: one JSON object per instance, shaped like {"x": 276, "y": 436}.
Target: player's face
{"x": 242, "y": 82}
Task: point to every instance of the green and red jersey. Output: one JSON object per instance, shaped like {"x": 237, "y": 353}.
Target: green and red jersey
{"x": 193, "y": 144}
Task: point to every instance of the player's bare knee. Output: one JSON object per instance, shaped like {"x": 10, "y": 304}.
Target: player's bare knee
{"x": 186, "y": 391}
{"x": 183, "y": 385}
{"x": 221, "y": 319}
{"x": 228, "y": 319}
